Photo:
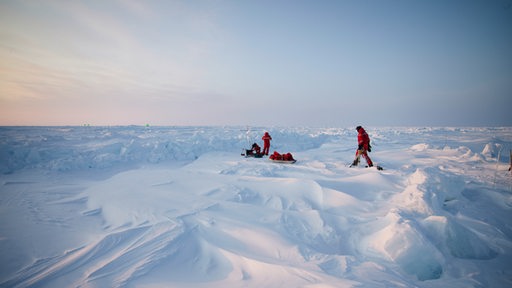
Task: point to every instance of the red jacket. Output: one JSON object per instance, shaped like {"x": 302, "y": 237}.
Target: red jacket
{"x": 266, "y": 139}
{"x": 363, "y": 138}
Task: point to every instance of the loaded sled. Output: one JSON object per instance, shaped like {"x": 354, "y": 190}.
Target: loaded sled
{"x": 250, "y": 153}
{"x": 286, "y": 158}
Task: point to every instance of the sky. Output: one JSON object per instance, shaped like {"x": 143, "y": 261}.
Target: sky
{"x": 259, "y": 63}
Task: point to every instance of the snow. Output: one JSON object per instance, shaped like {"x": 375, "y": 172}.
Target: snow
{"x": 179, "y": 207}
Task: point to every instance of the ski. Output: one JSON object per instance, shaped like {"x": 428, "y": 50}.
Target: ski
{"x": 378, "y": 167}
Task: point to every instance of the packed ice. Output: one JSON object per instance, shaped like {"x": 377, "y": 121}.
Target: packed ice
{"x": 141, "y": 206}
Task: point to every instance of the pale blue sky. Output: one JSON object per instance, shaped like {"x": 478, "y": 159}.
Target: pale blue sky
{"x": 312, "y": 63}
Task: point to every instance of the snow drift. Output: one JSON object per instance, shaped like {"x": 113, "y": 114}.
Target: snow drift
{"x": 179, "y": 207}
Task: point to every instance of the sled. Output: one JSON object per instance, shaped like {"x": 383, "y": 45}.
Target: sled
{"x": 285, "y": 158}
{"x": 249, "y": 153}
{"x": 253, "y": 155}
{"x": 283, "y": 161}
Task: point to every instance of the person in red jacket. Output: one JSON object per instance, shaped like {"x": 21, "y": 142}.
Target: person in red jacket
{"x": 363, "y": 141}
{"x": 266, "y": 143}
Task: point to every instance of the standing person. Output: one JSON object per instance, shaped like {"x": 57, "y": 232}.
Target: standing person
{"x": 266, "y": 143}
{"x": 363, "y": 141}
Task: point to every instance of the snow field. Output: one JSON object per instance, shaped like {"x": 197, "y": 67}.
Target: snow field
{"x": 179, "y": 207}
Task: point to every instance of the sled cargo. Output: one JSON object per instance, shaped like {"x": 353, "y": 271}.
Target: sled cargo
{"x": 286, "y": 158}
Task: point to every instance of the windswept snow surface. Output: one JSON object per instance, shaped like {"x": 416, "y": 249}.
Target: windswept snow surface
{"x": 179, "y": 207}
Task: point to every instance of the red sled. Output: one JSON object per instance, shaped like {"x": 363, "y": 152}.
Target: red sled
{"x": 283, "y": 161}
{"x": 282, "y": 158}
